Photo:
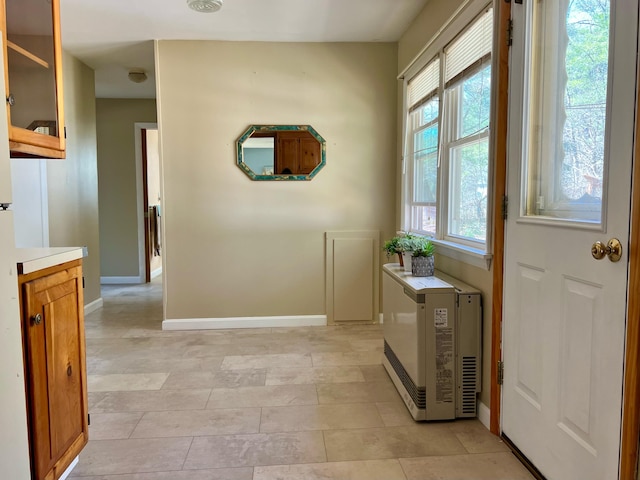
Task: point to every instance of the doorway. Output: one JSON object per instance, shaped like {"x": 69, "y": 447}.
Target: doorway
{"x": 570, "y": 162}
{"x": 149, "y": 204}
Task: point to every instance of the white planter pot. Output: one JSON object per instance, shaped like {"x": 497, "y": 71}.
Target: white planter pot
{"x": 406, "y": 259}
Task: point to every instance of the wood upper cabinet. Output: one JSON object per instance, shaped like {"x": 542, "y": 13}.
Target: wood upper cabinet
{"x": 298, "y": 153}
{"x": 55, "y": 367}
{"x": 33, "y": 77}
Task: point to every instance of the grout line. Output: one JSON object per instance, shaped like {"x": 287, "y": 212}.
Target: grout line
{"x": 187, "y": 455}
{"x": 137, "y": 423}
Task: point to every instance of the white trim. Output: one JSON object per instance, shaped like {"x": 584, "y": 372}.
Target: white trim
{"x": 157, "y": 272}
{"x": 244, "y": 322}
{"x": 484, "y": 414}
{"x": 120, "y": 280}
{"x": 71, "y": 466}
{"x": 44, "y": 199}
{"x": 138, "y": 127}
{"x": 93, "y": 306}
{"x": 380, "y": 318}
{"x": 462, "y": 253}
{"x": 464, "y": 14}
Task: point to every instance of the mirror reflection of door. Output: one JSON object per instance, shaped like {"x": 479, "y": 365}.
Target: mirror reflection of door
{"x": 259, "y": 153}
{"x": 152, "y": 201}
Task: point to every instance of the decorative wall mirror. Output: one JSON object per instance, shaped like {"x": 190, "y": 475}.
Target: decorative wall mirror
{"x": 281, "y": 152}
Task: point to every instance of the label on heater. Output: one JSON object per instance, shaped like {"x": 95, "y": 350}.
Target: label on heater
{"x": 441, "y": 317}
{"x": 444, "y": 365}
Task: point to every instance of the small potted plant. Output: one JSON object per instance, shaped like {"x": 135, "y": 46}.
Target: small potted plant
{"x": 406, "y": 246}
{"x": 422, "y": 261}
{"x": 392, "y": 247}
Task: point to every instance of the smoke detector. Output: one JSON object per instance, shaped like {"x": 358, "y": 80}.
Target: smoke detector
{"x": 205, "y": 6}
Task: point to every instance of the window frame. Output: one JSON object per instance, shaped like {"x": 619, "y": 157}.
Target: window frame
{"x": 477, "y": 253}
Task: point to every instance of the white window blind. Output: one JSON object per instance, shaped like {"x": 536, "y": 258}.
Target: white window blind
{"x": 471, "y": 46}
{"x": 424, "y": 83}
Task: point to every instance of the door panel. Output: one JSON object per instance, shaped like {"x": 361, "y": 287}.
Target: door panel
{"x": 564, "y": 311}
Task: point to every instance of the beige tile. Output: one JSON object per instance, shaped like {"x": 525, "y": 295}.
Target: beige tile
{"x": 395, "y": 414}
{"x": 264, "y": 396}
{"x": 367, "y": 345}
{"x": 346, "y": 358}
{"x": 126, "y": 382}
{"x": 236, "y": 362}
{"x": 244, "y": 473}
{"x": 488, "y": 466}
{"x": 394, "y": 442}
{"x": 256, "y": 449}
{"x": 94, "y": 398}
{"x": 319, "y": 417}
{"x": 476, "y": 438}
{"x": 375, "y": 373}
{"x": 128, "y": 364}
{"x": 111, "y": 426}
{"x": 190, "y": 423}
{"x": 287, "y": 376}
{"x": 359, "y": 392}
{"x": 215, "y": 379}
{"x": 150, "y": 401}
{"x": 109, "y": 457}
{"x": 364, "y": 470}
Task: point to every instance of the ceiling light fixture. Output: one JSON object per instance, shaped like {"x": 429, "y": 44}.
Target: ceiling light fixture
{"x": 205, "y": 6}
{"x": 137, "y": 76}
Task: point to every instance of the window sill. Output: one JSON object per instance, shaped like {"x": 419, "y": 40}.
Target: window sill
{"x": 472, "y": 256}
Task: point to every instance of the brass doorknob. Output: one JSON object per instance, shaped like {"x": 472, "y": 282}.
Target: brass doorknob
{"x": 613, "y": 250}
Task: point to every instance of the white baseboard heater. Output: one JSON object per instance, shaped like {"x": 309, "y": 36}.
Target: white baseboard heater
{"x": 432, "y": 343}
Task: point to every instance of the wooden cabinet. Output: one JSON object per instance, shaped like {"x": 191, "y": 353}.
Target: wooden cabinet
{"x": 55, "y": 367}
{"x": 298, "y": 153}
{"x": 33, "y": 77}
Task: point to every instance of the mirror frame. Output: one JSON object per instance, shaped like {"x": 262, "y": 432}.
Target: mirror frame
{"x": 280, "y": 128}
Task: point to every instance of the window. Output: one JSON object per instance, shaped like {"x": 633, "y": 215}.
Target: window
{"x": 447, "y": 140}
{"x": 568, "y": 84}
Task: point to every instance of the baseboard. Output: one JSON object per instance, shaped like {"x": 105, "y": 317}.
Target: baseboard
{"x": 93, "y": 306}
{"x": 244, "y": 322}
{"x": 120, "y": 280}
{"x": 156, "y": 273}
{"x": 67, "y": 472}
{"x": 484, "y": 415}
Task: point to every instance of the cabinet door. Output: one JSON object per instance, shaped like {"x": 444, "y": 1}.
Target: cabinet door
{"x": 309, "y": 154}
{"x": 56, "y": 370}
{"x": 33, "y": 75}
{"x": 287, "y": 158}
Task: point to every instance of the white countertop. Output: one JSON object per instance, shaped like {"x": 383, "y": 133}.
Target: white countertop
{"x": 33, "y": 259}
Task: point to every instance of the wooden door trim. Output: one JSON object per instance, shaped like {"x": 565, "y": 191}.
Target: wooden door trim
{"x": 145, "y": 205}
{"x": 499, "y": 186}
{"x": 631, "y": 386}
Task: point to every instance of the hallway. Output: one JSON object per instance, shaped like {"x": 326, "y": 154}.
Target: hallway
{"x": 274, "y": 403}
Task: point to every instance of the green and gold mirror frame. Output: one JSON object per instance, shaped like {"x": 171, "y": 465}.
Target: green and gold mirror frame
{"x": 281, "y": 152}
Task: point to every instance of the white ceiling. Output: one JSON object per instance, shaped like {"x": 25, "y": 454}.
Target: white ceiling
{"x": 113, "y": 36}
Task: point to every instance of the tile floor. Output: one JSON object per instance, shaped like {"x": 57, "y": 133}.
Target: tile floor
{"x": 262, "y": 404}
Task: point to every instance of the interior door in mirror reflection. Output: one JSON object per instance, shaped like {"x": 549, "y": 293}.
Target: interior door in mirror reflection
{"x": 281, "y": 152}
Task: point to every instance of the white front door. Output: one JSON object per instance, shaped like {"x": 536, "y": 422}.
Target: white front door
{"x": 572, "y": 99}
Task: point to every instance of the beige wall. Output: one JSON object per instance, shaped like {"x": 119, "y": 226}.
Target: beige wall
{"x": 237, "y": 248}
{"x": 421, "y": 31}
{"x": 117, "y": 183}
{"x": 73, "y": 182}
